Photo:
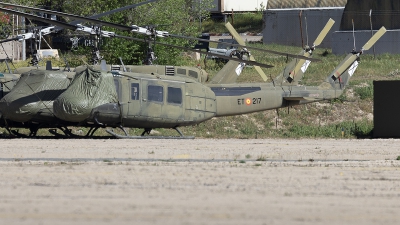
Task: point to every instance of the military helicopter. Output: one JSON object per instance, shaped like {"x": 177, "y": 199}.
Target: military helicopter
{"x": 198, "y": 104}
{"x": 30, "y": 103}
{"x": 150, "y": 102}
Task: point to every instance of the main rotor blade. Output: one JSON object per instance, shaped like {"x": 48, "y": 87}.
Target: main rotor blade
{"x": 241, "y": 42}
{"x": 194, "y": 50}
{"x": 374, "y": 38}
{"x": 38, "y": 18}
{"x": 94, "y": 21}
{"x": 248, "y": 47}
{"x": 120, "y": 9}
{"x": 91, "y": 17}
{"x": 128, "y": 28}
{"x": 324, "y": 32}
{"x": 11, "y": 39}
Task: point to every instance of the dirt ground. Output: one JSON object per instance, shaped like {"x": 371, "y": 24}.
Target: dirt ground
{"x": 201, "y": 181}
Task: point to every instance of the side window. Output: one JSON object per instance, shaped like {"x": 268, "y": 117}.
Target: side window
{"x": 134, "y": 91}
{"x": 174, "y": 95}
{"x": 181, "y": 71}
{"x": 155, "y": 93}
{"x": 193, "y": 74}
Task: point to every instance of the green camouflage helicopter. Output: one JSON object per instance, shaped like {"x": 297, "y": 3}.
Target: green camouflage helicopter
{"x": 30, "y": 103}
{"x": 157, "y": 101}
{"x": 162, "y": 102}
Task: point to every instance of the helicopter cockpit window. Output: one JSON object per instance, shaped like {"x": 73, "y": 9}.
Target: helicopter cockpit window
{"x": 174, "y": 95}
{"x": 155, "y": 93}
{"x": 193, "y": 74}
{"x": 134, "y": 91}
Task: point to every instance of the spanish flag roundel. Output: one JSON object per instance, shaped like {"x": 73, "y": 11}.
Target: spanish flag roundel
{"x": 248, "y": 101}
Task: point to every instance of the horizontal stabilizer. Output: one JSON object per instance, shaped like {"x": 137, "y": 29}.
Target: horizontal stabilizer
{"x": 301, "y": 99}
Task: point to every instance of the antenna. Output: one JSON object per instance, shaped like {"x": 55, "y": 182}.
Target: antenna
{"x": 301, "y": 29}
{"x": 122, "y": 63}
{"x": 305, "y": 18}
{"x": 354, "y": 37}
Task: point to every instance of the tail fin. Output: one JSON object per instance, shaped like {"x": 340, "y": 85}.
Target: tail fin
{"x": 229, "y": 73}
{"x": 294, "y": 71}
{"x": 341, "y": 75}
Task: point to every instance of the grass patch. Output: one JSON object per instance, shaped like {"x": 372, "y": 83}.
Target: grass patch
{"x": 366, "y": 91}
{"x": 261, "y": 158}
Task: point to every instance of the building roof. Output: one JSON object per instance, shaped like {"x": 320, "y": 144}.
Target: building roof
{"x": 279, "y": 4}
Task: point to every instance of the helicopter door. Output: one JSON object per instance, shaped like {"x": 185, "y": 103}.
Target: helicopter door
{"x": 173, "y": 109}
{"x": 133, "y": 102}
{"x": 152, "y": 96}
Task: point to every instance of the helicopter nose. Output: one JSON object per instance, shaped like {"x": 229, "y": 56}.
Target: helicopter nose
{"x": 107, "y": 114}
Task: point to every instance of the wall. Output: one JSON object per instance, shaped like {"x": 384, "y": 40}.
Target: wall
{"x": 343, "y": 42}
{"x": 282, "y": 26}
{"x": 383, "y": 13}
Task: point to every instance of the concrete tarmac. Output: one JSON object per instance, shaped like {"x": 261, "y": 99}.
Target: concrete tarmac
{"x": 201, "y": 181}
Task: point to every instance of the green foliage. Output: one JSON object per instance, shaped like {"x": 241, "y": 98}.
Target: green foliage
{"x": 366, "y": 91}
{"x": 398, "y": 157}
{"x": 342, "y": 98}
{"x": 345, "y": 129}
{"x": 174, "y": 16}
{"x": 243, "y": 22}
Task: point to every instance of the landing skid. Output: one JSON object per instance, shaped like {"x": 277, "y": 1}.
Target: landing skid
{"x": 33, "y": 132}
{"x": 68, "y": 134}
{"x": 126, "y": 136}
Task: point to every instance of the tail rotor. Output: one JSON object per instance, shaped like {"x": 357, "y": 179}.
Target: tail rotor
{"x": 303, "y": 64}
{"x": 356, "y": 54}
{"x": 241, "y": 42}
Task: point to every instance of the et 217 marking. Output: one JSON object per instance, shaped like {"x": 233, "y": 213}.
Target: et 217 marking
{"x": 249, "y": 101}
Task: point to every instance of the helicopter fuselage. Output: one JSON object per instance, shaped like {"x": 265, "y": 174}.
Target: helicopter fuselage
{"x": 147, "y": 101}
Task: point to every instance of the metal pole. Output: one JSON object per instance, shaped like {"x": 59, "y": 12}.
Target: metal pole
{"x": 23, "y": 41}
{"x": 12, "y": 45}
{"x": 372, "y": 31}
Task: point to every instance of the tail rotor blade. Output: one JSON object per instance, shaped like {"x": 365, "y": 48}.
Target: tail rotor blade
{"x": 241, "y": 42}
{"x": 234, "y": 33}
{"x": 324, "y": 32}
{"x": 374, "y": 38}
